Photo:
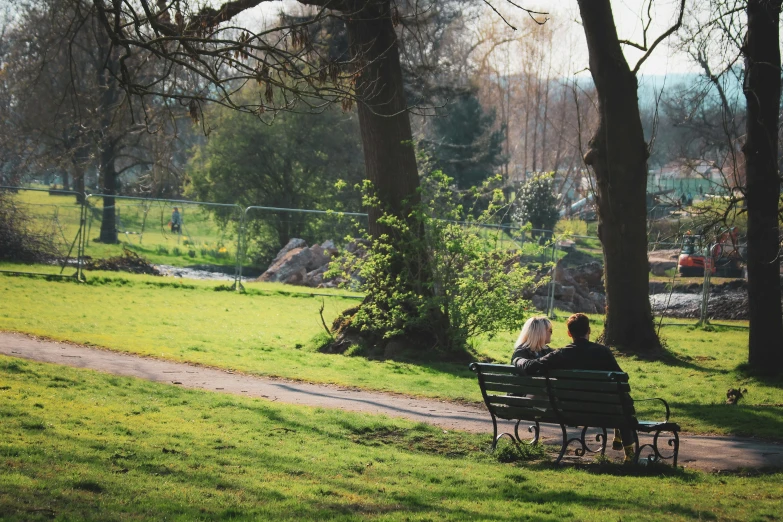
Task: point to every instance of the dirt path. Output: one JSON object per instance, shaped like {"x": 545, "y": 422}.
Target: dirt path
{"x": 699, "y": 452}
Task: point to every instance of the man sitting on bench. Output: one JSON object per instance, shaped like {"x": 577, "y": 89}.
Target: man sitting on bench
{"x": 581, "y": 354}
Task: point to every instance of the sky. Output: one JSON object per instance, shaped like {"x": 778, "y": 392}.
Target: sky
{"x": 628, "y": 19}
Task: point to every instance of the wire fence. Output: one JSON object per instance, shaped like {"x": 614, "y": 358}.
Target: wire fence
{"x": 238, "y": 244}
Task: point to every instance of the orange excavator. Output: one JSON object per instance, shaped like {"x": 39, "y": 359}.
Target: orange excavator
{"x": 723, "y": 258}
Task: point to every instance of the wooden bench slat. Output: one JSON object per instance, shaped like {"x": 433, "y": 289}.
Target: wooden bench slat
{"x": 518, "y": 389}
{"x": 589, "y": 375}
{"x": 612, "y": 387}
{"x": 529, "y": 414}
{"x": 596, "y": 420}
{"x": 593, "y": 407}
{"x": 525, "y": 402}
{"x": 512, "y": 388}
{"x": 514, "y": 379}
{"x": 593, "y": 397}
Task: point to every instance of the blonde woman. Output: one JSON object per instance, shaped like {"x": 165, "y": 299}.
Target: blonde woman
{"x": 533, "y": 340}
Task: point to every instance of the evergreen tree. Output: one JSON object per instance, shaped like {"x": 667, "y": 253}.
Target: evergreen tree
{"x": 464, "y": 146}
{"x": 536, "y": 203}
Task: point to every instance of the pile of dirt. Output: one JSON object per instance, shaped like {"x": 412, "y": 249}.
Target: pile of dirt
{"x": 129, "y": 261}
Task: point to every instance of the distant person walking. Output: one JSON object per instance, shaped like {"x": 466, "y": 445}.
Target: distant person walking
{"x": 176, "y": 221}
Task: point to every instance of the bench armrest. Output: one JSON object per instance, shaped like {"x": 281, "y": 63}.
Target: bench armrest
{"x": 665, "y": 404}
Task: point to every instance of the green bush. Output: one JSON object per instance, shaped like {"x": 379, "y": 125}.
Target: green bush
{"x": 434, "y": 281}
{"x": 536, "y": 203}
{"x": 572, "y": 226}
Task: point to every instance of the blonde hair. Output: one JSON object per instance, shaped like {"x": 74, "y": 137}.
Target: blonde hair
{"x": 533, "y": 334}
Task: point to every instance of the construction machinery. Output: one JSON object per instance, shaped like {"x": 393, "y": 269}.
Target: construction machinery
{"x": 724, "y": 258}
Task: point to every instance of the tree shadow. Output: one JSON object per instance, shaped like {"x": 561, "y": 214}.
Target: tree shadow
{"x": 741, "y": 420}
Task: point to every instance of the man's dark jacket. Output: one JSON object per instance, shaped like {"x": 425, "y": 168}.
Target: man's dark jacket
{"x": 579, "y": 355}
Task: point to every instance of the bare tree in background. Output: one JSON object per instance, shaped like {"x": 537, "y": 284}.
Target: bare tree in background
{"x": 68, "y": 113}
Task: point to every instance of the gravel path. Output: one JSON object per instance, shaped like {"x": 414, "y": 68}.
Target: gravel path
{"x": 699, "y": 452}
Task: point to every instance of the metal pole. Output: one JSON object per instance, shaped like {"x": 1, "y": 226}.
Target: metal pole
{"x": 240, "y": 249}
{"x": 552, "y": 282}
{"x": 705, "y": 296}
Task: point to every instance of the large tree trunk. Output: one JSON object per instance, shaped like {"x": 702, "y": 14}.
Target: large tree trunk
{"x": 762, "y": 92}
{"x": 618, "y": 155}
{"x": 389, "y": 157}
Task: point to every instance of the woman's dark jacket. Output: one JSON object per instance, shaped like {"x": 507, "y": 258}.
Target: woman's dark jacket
{"x": 523, "y": 351}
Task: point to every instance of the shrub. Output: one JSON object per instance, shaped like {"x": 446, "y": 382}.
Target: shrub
{"x": 19, "y": 239}
{"x": 572, "y": 226}
{"x": 536, "y": 203}
{"x": 432, "y": 280}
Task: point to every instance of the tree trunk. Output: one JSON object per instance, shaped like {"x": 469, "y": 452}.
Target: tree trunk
{"x": 762, "y": 92}
{"x": 107, "y": 145}
{"x": 66, "y": 181}
{"x": 108, "y": 187}
{"x": 618, "y": 155}
{"x": 389, "y": 157}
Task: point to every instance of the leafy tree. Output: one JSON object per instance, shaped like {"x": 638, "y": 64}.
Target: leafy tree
{"x": 536, "y": 203}
{"x": 299, "y": 161}
{"x": 475, "y": 289}
{"x": 464, "y": 145}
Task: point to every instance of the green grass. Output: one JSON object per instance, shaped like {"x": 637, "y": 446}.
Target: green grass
{"x": 80, "y": 445}
{"x": 271, "y": 330}
{"x": 202, "y": 241}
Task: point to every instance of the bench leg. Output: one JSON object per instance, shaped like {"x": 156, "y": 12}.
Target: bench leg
{"x": 656, "y": 455}
{"x": 494, "y": 431}
{"x": 564, "y": 444}
{"x": 581, "y": 440}
{"x": 534, "y": 429}
{"x": 600, "y": 437}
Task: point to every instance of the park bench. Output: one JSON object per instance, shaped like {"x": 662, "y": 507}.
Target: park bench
{"x": 570, "y": 398}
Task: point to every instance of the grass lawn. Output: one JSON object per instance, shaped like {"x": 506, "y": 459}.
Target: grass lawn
{"x": 143, "y": 228}
{"x": 80, "y": 445}
{"x": 271, "y": 330}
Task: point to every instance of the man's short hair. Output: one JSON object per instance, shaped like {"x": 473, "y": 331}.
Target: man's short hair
{"x": 578, "y": 325}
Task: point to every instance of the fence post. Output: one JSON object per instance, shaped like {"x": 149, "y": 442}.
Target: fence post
{"x": 552, "y": 282}
{"x": 705, "y": 295}
{"x": 240, "y": 249}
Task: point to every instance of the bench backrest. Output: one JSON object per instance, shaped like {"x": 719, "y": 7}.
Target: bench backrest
{"x": 509, "y": 395}
{"x": 570, "y": 397}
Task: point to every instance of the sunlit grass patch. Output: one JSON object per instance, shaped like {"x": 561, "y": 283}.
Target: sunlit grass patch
{"x": 274, "y": 329}
{"x": 118, "y": 448}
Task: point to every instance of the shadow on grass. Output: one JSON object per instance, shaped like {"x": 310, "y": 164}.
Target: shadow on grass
{"x": 746, "y": 371}
{"x": 741, "y": 420}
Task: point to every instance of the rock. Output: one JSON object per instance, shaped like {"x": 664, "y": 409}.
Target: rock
{"x": 319, "y": 257}
{"x": 659, "y": 267}
{"x": 599, "y": 300}
{"x": 292, "y": 244}
{"x": 315, "y": 278}
{"x": 584, "y": 305}
{"x": 296, "y": 277}
{"x": 540, "y": 302}
{"x": 286, "y": 267}
{"x": 589, "y": 274}
{"x": 567, "y": 293}
{"x": 329, "y": 247}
